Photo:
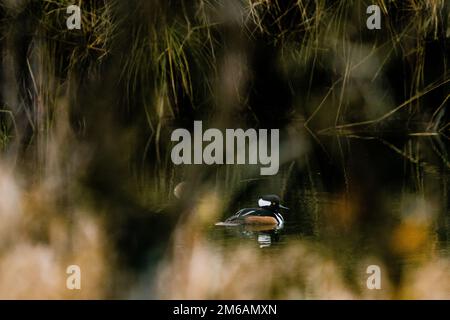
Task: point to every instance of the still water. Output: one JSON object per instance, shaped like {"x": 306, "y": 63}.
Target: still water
{"x": 382, "y": 200}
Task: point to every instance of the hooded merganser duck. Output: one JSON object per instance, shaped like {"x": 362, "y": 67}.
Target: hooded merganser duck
{"x": 267, "y": 213}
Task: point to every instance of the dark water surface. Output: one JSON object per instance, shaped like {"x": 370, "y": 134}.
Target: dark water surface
{"x": 383, "y": 198}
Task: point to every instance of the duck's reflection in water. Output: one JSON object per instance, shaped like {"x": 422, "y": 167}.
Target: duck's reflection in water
{"x": 265, "y": 235}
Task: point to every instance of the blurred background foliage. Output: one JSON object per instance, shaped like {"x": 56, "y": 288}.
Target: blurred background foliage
{"x": 85, "y": 170}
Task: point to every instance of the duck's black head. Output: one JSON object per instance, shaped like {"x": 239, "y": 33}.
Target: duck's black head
{"x": 271, "y": 202}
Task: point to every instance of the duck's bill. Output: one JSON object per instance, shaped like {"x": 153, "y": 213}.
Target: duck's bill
{"x": 283, "y": 207}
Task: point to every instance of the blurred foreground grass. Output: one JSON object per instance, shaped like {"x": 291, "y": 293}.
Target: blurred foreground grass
{"x": 85, "y": 170}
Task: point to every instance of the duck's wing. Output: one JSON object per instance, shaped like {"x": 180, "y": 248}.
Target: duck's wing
{"x": 227, "y": 224}
{"x": 241, "y": 214}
